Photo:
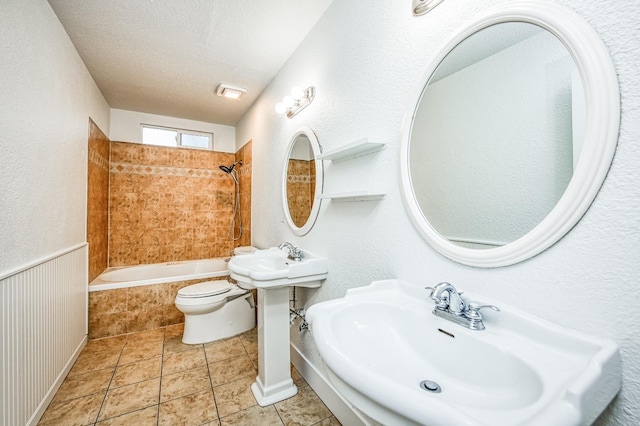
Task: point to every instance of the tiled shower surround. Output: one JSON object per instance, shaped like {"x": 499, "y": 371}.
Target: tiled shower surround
{"x": 301, "y": 186}
{"x": 98, "y": 201}
{"x": 152, "y": 204}
{"x": 168, "y": 204}
{"x": 127, "y": 310}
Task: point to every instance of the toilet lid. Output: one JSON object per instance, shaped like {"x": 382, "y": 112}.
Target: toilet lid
{"x": 208, "y": 288}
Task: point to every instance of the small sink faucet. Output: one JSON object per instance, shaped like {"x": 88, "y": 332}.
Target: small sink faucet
{"x": 447, "y": 297}
{"x": 451, "y": 306}
{"x": 294, "y": 252}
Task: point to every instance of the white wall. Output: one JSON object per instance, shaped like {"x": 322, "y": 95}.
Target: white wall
{"x": 47, "y": 97}
{"x": 125, "y": 127}
{"x": 366, "y": 59}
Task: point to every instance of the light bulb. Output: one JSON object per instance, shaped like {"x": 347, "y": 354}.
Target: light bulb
{"x": 288, "y": 101}
{"x": 280, "y": 108}
{"x": 297, "y": 93}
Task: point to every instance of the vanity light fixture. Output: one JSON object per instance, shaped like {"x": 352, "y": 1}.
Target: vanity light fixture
{"x": 421, "y": 7}
{"x": 299, "y": 100}
{"x": 229, "y": 91}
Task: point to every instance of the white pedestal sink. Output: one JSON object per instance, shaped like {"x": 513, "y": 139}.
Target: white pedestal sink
{"x": 390, "y": 357}
{"x": 272, "y": 273}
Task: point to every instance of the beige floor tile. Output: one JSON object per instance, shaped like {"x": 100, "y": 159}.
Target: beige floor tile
{"x": 249, "y": 340}
{"x": 184, "y": 383}
{"x": 331, "y": 421}
{"x": 173, "y": 331}
{"x": 145, "y": 417}
{"x": 105, "y": 344}
{"x": 235, "y": 396}
{"x": 155, "y": 335}
{"x": 253, "y": 416}
{"x": 231, "y": 369}
{"x": 175, "y": 345}
{"x": 180, "y": 361}
{"x": 254, "y": 360}
{"x": 194, "y": 409}
{"x": 224, "y": 349}
{"x": 140, "y": 371}
{"x": 297, "y": 378}
{"x": 134, "y": 353}
{"x": 305, "y": 408}
{"x": 79, "y": 411}
{"x": 84, "y": 384}
{"x": 130, "y": 398}
{"x": 94, "y": 361}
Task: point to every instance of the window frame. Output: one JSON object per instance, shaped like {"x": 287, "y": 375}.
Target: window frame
{"x": 180, "y": 133}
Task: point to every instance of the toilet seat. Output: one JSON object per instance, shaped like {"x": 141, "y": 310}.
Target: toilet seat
{"x": 205, "y": 289}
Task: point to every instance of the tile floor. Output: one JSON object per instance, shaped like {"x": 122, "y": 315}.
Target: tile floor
{"x": 152, "y": 378}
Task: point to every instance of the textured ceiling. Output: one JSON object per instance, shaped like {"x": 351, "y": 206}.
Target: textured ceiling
{"x": 168, "y": 56}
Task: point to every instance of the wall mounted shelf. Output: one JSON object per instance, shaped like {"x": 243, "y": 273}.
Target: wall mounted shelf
{"x": 344, "y": 197}
{"x": 356, "y": 149}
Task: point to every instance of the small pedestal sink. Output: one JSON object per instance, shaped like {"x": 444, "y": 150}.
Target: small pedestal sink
{"x": 272, "y": 273}
{"x": 395, "y": 361}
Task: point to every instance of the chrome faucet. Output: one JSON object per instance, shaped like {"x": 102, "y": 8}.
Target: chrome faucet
{"x": 451, "y": 306}
{"x": 294, "y": 252}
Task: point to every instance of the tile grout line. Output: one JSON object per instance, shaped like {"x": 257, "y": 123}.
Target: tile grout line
{"x": 215, "y": 403}
{"x": 164, "y": 340}
{"x": 106, "y": 392}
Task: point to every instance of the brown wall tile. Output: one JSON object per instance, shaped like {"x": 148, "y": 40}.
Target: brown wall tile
{"x": 97, "y": 200}
{"x": 159, "y": 196}
{"x": 162, "y": 204}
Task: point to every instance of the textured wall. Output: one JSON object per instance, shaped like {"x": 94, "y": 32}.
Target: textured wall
{"x": 98, "y": 201}
{"x": 47, "y": 97}
{"x": 168, "y": 204}
{"x": 366, "y": 59}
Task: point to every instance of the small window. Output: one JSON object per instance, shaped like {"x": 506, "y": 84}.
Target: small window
{"x": 165, "y": 136}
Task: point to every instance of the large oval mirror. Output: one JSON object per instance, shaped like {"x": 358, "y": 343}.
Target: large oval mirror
{"x": 512, "y": 134}
{"x": 302, "y": 181}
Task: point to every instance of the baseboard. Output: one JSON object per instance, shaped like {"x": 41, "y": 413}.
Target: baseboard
{"x": 340, "y": 408}
{"x": 42, "y": 407}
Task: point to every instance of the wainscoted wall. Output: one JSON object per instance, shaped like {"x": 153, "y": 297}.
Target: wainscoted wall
{"x": 168, "y": 204}
{"x": 42, "y": 330}
{"x": 98, "y": 201}
{"x": 301, "y": 187}
{"x": 244, "y": 155}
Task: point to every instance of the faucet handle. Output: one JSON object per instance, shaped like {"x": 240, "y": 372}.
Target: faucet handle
{"x": 473, "y": 310}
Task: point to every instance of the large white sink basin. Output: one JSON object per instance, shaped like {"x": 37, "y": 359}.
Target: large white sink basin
{"x": 381, "y": 341}
{"x": 272, "y": 268}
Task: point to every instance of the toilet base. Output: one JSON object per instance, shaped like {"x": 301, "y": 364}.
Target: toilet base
{"x": 235, "y": 317}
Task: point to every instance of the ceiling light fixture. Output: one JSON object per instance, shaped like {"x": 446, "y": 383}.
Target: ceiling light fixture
{"x": 299, "y": 100}
{"x": 231, "y": 92}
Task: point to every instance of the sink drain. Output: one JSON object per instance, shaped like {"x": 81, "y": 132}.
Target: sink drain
{"x": 430, "y": 386}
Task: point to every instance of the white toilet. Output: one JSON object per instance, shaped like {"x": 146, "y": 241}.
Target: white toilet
{"x": 214, "y": 310}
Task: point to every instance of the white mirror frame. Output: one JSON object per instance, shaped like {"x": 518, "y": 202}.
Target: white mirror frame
{"x": 315, "y": 207}
{"x": 602, "y": 122}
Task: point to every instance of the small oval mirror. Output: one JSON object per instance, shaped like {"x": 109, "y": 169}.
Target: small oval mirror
{"x": 302, "y": 181}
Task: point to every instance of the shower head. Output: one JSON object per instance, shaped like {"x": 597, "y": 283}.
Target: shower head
{"x": 231, "y": 167}
{"x": 229, "y": 170}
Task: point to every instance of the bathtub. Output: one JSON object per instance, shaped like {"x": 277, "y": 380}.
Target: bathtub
{"x": 158, "y": 273}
